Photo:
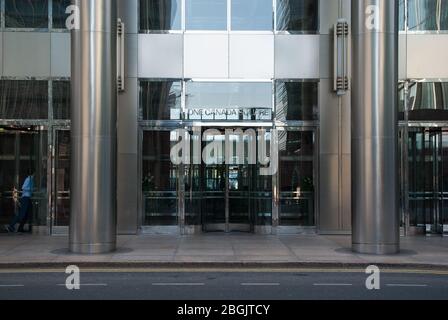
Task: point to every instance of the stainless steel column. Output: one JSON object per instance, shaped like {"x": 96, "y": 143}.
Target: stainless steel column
{"x": 374, "y": 126}
{"x": 94, "y": 110}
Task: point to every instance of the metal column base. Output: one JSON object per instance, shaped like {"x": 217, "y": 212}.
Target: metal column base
{"x": 378, "y": 249}
{"x": 99, "y": 248}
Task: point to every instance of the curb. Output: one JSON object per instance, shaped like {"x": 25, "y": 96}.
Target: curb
{"x": 231, "y": 266}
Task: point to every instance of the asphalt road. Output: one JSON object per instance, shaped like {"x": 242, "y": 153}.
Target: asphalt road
{"x": 222, "y": 285}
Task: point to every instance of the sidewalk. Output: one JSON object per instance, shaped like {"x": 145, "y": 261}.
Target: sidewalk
{"x": 221, "y": 250}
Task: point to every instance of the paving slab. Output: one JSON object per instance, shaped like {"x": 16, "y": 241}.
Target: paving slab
{"x": 221, "y": 249}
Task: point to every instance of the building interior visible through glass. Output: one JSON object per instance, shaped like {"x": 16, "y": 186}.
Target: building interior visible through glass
{"x": 35, "y": 122}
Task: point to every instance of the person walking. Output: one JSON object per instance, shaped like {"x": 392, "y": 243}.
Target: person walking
{"x": 25, "y": 205}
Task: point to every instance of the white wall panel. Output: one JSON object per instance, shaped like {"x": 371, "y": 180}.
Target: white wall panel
{"x": 60, "y": 54}
{"x": 297, "y": 56}
{"x": 206, "y": 56}
{"x": 252, "y": 56}
{"x": 427, "y": 56}
{"x": 26, "y": 54}
{"x": 160, "y": 55}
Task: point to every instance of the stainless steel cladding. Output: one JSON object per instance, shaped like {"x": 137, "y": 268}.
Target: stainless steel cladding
{"x": 94, "y": 133}
{"x": 374, "y": 126}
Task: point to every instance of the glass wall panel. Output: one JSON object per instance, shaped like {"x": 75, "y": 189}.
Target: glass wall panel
{"x": 20, "y": 152}
{"x": 252, "y": 15}
{"x": 428, "y": 101}
{"x": 23, "y": 99}
{"x": 206, "y": 14}
{"x": 159, "y": 181}
{"x": 402, "y": 15}
{"x": 296, "y": 175}
{"x": 229, "y": 101}
{"x": 61, "y": 100}
{"x": 430, "y": 15}
{"x": 62, "y": 178}
{"x": 159, "y": 15}
{"x": 298, "y": 15}
{"x": 59, "y": 15}
{"x": 296, "y": 101}
{"x": 26, "y": 14}
{"x": 161, "y": 100}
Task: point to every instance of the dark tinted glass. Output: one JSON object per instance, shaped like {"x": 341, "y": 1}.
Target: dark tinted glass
{"x": 296, "y": 101}
{"x": 160, "y": 100}
{"x": 61, "y": 100}
{"x": 297, "y": 15}
{"x": 160, "y": 14}
{"x": 252, "y": 15}
{"x": 427, "y": 15}
{"x": 159, "y": 181}
{"x": 24, "y": 99}
{"x": 428, "y": 95}
{"x": 26, "y": 14}
{"x": 296, "y": 174}
{"x": 59, "y": 15}
{"x": 206, "y": 14}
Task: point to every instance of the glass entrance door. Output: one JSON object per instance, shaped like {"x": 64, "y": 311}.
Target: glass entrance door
{"x": 23, "y": 150}
{"x": 428, "y": 179}
{"x": 226, "y": 198}
{"x": 226, "y": 203}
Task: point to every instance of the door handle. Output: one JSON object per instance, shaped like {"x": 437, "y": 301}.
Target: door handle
{"x": 340, "y": 57}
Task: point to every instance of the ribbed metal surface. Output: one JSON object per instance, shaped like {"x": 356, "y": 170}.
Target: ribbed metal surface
{"x": 94, "y": 109}
{"x": 374, "y": 126}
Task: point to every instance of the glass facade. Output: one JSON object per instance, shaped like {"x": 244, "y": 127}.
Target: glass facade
{"x": 161, "y": 100}
{"x": 298, "y": 15}
{"x": 426, "y": 101}
{"x": 252, "y": 15}
{"x": 222, "y": 195}
{"x": 234, "y": 15}
{"x": 59, "y": 13}
{"x": 206, "y": 14}
{"x": 424, "y": 15}
{"x": 35, "y": 119}
{"x": 160, "y": 15}
{"x": 23, "y": 99}
{"x": 159, "y": 181}
{"x": 26, "y": 14}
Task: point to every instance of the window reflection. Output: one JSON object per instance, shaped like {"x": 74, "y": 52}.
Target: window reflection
{"x": 206, "y": 14}
{"x": 427, "y": 101}
{"x": 23, "y": 99}
{"x": 160, "y": 100}
{"x": 252, "y": 15}
{"x": 296, "y": 174}
{"x": 160, "y": 15}
{"x": 61, "y": 100}
{"x": 59, "y": 15}
{"x": 26, "y": 14}
{"x": 229, "y": 101}
{"x": 431, "y": 15}
{"x": 297, "y": 15}
{"x": 159, "y": 181}
{"x": 296, "y": 101}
